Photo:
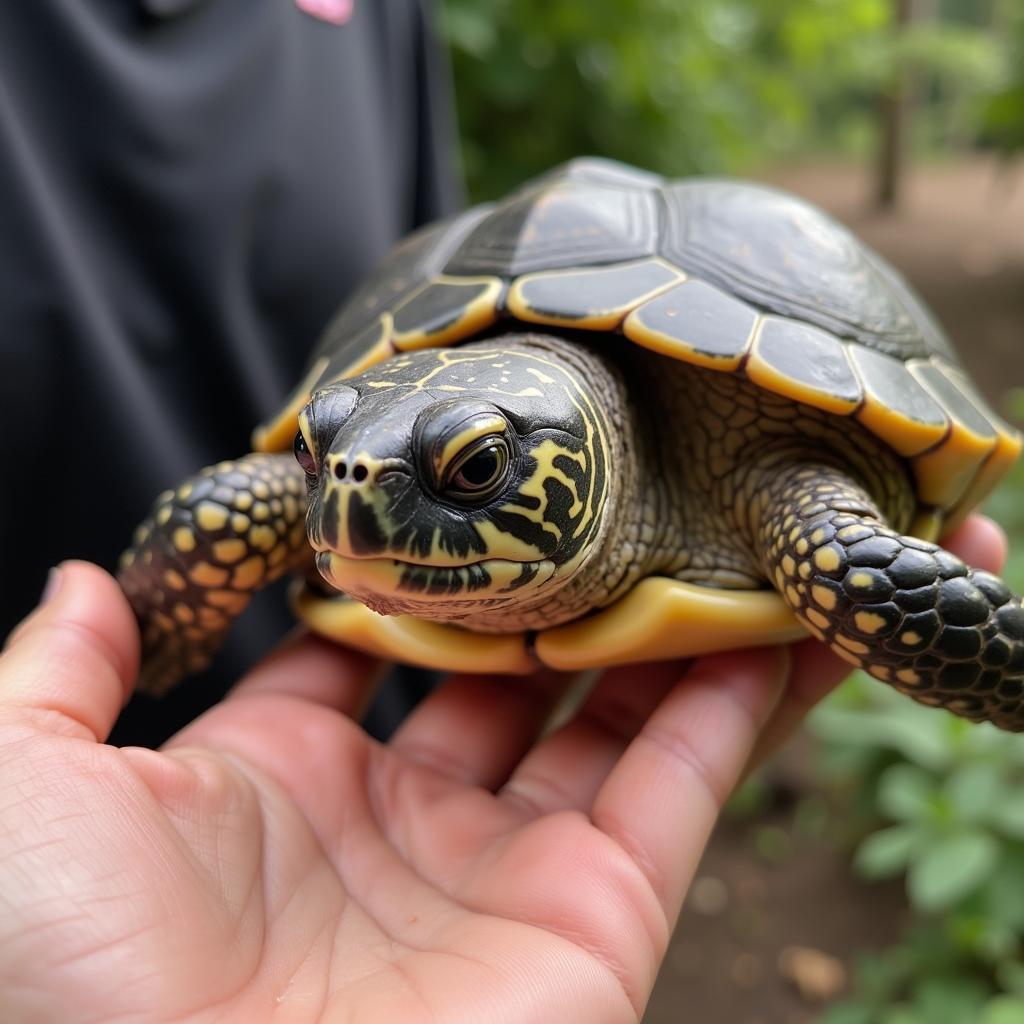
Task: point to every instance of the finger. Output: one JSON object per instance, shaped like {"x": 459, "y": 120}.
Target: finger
{"x": 566, "y": 769}
{"x": 815, "y": 673}
{"x": 661, "y": 800}
{"x": 980, "y": 542}
{"x": 475, "y": 729}
{"x": 309, "y": 668}
{"x": 77, "y": 655}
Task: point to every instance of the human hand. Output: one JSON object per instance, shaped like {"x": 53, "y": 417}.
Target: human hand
{"x": 275, "y": 863}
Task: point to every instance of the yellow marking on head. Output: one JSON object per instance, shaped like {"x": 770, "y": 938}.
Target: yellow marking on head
{"x": 163, "y": 515}
{"x": 868, "y": 622}
{"x": 184, "y": 539}
{"x": 174, "y": 580}
{"x": 792, "y": 596}
{"x": 910, "y": 638}
{"x": 212, "y": 619}
{"x": 818, "y": 537}
{"x": 243, "y": 501}
{"x": 207, "y": 575}
{"x": 810, "y": 627}
{"x": 239, "y": 522}
{"x": 185, "y": 492}
{"x": 229, "y": 551}
{"x": 802, "y": 547}
{"x": 477, "y": 429}
{"x": 788, "y": 565}
{"x": 817, "y": 618}
{"x": 260, "y": 511}
{"x": 827, "y": 559}
{"x": 249, "y": 573}
{"x": 823, "y": 597}
{"x": 260, "y": 489}
{"x": 277, "y": 556}
{"x": 210, "y": 516}
{"x": 805, "y": 570}
{"x": 861, "y": 580}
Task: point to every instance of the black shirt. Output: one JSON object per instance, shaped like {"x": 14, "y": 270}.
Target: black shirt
{"x": 188, "y": 188}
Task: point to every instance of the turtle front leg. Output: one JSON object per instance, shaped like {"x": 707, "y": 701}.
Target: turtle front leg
{"x": 908, "y": 612}
{"x": 202, "y": 553}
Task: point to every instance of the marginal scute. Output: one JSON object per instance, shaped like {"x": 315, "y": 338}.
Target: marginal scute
{"x": 896, "y": 407}
{"x": 413, "y": 641}
{"x": 804, "y": 363}
{"x": 664, "y": 618}
{"x": 694, "y": 322}
{"x": 595, "y": 299}
{"x": 445, "y": 310}
{"x": 944, "y": 474}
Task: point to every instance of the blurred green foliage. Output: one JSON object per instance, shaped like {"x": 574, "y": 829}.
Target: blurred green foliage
{"x": 1002, "y": 121}
{"x": 704, "y": 86}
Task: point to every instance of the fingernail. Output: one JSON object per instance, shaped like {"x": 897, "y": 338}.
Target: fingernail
{"x": 52, "y": 585}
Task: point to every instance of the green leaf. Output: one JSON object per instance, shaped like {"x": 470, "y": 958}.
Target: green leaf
{"x": 1004, "y": 1010}
{"x": 951, "y": 868}
{"x": 1008, "y": 815}
{"x": 975, "y": 790}
{"x": 887, "y": 852}
{"x": 848, "y": 1013}
{"x": 907, "y": 792}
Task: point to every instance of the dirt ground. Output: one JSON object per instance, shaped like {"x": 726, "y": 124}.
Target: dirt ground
{"x": 764, "y": 891}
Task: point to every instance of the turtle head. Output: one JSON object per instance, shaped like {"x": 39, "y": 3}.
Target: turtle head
{"x": 458, "y": 484}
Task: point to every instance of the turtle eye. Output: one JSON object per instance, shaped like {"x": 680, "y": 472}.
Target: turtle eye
{"x": 303, "y": 456}
{"x": 480, "y": 471}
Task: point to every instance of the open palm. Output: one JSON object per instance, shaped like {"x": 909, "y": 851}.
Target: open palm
{"x": 275, "y": 863}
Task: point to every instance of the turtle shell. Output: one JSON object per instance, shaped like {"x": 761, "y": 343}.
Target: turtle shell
{"x": 734, "y": 277}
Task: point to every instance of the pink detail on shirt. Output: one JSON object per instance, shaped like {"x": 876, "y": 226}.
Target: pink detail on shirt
{"x": 337, "y": 12}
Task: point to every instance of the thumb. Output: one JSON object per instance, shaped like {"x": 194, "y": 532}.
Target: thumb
{"x": 69, "y": 667}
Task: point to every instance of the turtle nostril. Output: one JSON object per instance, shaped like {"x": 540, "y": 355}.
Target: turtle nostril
{"x": 340, "y": 469}
{"x": 360, "y": 473}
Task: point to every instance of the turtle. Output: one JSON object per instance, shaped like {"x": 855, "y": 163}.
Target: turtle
{"x": 612, "y": 418}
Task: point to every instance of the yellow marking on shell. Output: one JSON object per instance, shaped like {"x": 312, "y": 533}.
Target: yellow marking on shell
{"x": 229, "y": 551}
{"x": 474, "y": 317}
{"x": 207, "y": 575}
{"x": 910, "y": 638}
{"x": 263, "y": 538}
{"x": 908, "y": 675}
{"x": 852, "y": 645}
{"x": 184, "y": 539}
{"x": 605, "y": 318}
{"x": 993, "y": 469}
{"x": 767, "y": 376}
{"x": 827, "y": 559}
{"x": 869, "y": 622}
{"x": 823, "y": 597}
{"x": 232, "y": 602}
{"x": 817, "y": 618}
{"x": 414, "y": 641}
{"x": 210, "y": 516}
{"x": 163, "y": 515}
{"x": 174, "y": 579}
{"x": 540, "y": 375}
{"x": 277, "y": 434}
{"x": 249, "y": 573}
{"x": 477, "y": 428}
{"x": 661, "y": 619}
{"x": 861, "y": 580}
